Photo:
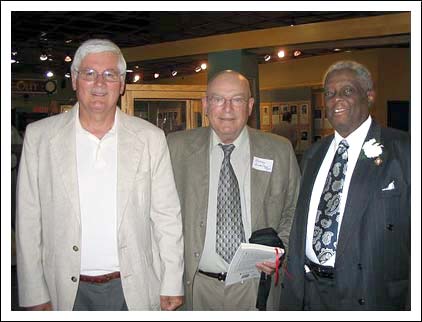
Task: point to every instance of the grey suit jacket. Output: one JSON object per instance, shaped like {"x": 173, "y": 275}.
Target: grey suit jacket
{"x": 273, "y": 195}
{"x": 372, "y": 268}
{"x": 150, "y": 243}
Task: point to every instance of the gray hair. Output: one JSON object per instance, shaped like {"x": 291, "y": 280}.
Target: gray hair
{"x": 98, "y": 46}
{"x": 363, "y": 74}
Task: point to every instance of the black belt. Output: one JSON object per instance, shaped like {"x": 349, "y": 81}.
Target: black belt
{"x": 219, "y": 276}
{"x": 320, "y": 270}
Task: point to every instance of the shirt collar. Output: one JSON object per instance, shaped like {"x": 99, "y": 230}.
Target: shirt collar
{"x": 240, "y": 140}
{"x": 356, "y": 138}
{"x": 110, "y": 132}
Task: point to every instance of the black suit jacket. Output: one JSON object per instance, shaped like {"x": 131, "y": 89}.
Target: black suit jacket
{"x": 372, "y": 268}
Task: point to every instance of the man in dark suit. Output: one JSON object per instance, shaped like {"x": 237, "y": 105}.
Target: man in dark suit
{"x": 350, "y": 241}
{"x": 268, "y": 180}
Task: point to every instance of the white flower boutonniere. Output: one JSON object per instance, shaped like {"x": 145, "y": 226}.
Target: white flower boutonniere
{"x": 373, "y": 149}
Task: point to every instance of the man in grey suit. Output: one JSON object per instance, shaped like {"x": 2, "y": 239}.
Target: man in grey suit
{"x": 350, "y": 240}
{"x": 98, "y": 216}
{"x": 266, "y": 178}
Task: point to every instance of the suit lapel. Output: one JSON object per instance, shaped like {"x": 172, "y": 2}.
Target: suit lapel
{"x": 311, "y": 166}
{"x": 259, "y": 179}
{"x": 129, "y": 153}
{"x": 63, "y": 147}
{"x": 199, "y": 165}
{"x": 360, "y": 191}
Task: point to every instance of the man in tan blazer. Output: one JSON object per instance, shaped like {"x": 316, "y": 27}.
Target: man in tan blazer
{"x": 98, "y": 216}
{"x": 267, "y": 176}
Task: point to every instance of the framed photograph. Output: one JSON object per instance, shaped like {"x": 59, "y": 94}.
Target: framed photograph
{"x": 304, "y": 109}
{"x": 285, "y": 108}
{"x": 276, "y": 110}
{"x": 293, "y": 109}
{"x": 265, "y": 117}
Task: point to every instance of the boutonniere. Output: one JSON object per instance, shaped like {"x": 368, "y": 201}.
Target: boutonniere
{"x": 373, "y": 149}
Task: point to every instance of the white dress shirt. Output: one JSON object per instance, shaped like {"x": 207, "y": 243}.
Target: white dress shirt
{"x": 240, "y": 161}
{"x": 97, "y": 181}
{"x": 355, "y": 141}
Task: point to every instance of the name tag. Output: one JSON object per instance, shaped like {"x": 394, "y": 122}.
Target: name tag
{"x": 262, "y": 164}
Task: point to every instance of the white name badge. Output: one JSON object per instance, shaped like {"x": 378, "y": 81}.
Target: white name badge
{"x": 262, "y": 164}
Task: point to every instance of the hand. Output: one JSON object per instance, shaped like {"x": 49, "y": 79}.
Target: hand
{"x": 170, "y": 303}
{"x": 266, "y": 267}
{"x": 40, "y": 307}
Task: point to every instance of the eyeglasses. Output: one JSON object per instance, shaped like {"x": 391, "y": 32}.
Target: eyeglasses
{"x": 91, "y": 75}
{"x": 237, "y": 101}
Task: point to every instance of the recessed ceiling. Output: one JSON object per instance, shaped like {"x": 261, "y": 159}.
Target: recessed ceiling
{"x": 60, "y": 33}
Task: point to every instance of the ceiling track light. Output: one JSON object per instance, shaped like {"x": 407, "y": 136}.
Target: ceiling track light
{"x": 43, "y": 57}
{"x": 136, "y": 78}
{"x": 49, "y": 74}
{"x": 281, "y": 53}
{"x": 156, "y": 75}
{"x": 174, "y": 73}
{"x": 297, "y": 53}
{"x": 68, "y": 59}
{"x": 267, "y": 57}
{"x": 203, "y": 66}
{"x": 198, "y": 69}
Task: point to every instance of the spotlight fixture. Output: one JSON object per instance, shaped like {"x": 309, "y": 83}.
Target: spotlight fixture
{"x": 129, "y": 70}
{"x": 68, "y": 41}
{"x": 281, "y": 53}
{"x": 203, "y": 66}
{"x": 14, "y": 53}
{"x": 198, "y": 69}
{"x": 43, "y": 57}
{"x": 336, "y": 49}
{"x": 49, "y": 74}
{"x": 13, "y": 60}
{"x": 267, "y": 57}
{"x": 68, "y": 59}
{"x": 136, "y": 78}
{"x": 297, "y": 53}
{"x": 67, "y": 75}
{"x": 156, "y": 75}
{"x": 174, "y": 73}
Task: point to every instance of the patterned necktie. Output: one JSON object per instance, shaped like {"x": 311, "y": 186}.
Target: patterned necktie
{"x": 324, "y": 241}
{"x": 230, "y": 232}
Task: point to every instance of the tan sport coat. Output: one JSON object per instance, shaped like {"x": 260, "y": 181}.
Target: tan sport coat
{"x": 150, "y": 243}
{"x": 273, "y": 195}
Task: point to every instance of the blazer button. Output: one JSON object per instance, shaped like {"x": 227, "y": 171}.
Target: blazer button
{"x": 361, "y": 301}
{"x": 187, "y": 282}
{"x": 390, "y": 227}
{"x": 75, "y": 248}
{"x": 360, "y": 266}
{"x": 74, "y": 279}
{"x": 196, "y": 254}
{"x": 201, "y": 224}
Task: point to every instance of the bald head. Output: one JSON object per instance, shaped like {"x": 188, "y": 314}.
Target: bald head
{"x": 228, "y": 104}
{"x": 231, "y": 76}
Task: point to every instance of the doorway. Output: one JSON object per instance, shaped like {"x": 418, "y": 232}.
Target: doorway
{"x": 398, "y": 115}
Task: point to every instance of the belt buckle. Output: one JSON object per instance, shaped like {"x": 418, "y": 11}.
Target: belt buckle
{"x": 221, "y": 277}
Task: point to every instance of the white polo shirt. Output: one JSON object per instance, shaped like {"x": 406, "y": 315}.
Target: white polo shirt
{"x": 97, "y": 180}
